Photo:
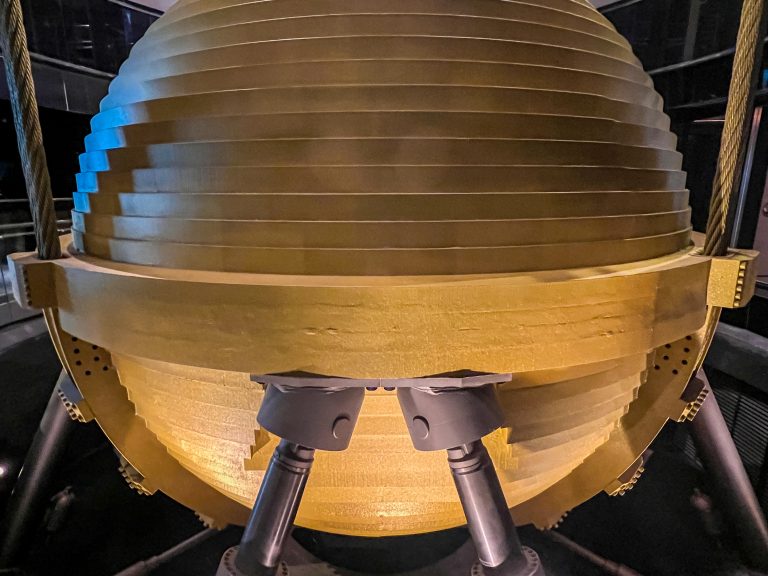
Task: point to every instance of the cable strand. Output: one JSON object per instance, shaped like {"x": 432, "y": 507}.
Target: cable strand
{"x": 736, "y": 127}
{"x": 730, "y": 163}
{"x": 18, "y": 69}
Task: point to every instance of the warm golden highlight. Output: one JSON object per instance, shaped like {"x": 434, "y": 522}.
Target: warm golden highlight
{"x": 381, "y": 189}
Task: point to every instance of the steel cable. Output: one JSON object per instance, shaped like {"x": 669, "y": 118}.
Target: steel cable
{"x": 737, "y": 125}
{"x": 736, "y": 128}
{"x": 18, "y": 69}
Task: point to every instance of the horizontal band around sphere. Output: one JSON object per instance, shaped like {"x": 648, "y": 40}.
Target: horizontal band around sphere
{"x": 430, "y": 98}
{"x": 182, "y": 11}
{"x": 383, "y": 261}
{"x": 187, "y": 21}
{"x": 382, "y": 46}
{"x": 382, "y": 124}
{"x": 421, "y": 180}
{"x": 372, "y": 206}
{"x": 392, "y": 72}
{"x": 380, "y": 234}
{"x": 373, "y": 24}
{"x": 640, "y": 305}
{"x": 395, "y": 152}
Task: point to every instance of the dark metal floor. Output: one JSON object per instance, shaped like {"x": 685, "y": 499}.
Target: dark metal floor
{"x": 653, "y": 529}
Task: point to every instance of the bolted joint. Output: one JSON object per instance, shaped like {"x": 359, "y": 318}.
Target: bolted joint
{"x": 626, "y": 482}
{"x": 693, "y": 397}
{"x": 465, "y": 460}
{"x": 32, "y": 281}
{"x": 442, "y": 418}
{"x": 78, "y": 409}
{"x": 293, "y": 458}
{"x": 732, "y": 279}
{"x": 134, "y": 478}
{"x": 319, "y": 418}
{"x": 533, "y": 567}
{"x": 227, "y": 566}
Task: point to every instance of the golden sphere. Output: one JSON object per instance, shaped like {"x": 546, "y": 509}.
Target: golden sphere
{"x": 385, "y": 189}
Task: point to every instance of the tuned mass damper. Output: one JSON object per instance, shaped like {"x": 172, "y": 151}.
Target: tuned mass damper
{"x": 380, "y": 189}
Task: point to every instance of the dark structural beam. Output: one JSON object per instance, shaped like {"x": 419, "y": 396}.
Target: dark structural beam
{"x": 737, "y": 498}
{"x": 30, "y": 494}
